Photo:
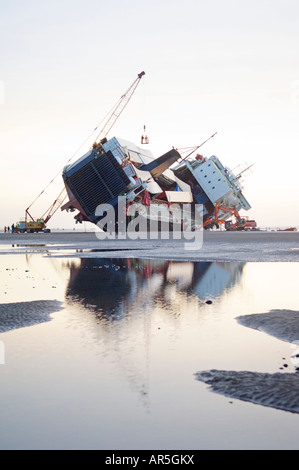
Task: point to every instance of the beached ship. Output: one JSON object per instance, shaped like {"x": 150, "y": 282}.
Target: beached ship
{"x": 155, "y": 188}
{"x": 173, "y": 191}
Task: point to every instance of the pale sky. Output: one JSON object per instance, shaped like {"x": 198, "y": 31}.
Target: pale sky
{"x": 230, "y": 67}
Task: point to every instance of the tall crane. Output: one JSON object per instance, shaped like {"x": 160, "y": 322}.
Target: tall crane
{"x": 40, "y": 224}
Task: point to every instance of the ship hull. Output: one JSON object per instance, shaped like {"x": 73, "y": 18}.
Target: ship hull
{"x": 130, "y": 182}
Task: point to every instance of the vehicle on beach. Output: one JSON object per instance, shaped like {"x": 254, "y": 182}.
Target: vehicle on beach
{"x": 33, "y": 226}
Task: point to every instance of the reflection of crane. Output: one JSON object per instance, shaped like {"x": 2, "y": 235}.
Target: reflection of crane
{"x": 33, "y": 225}
{"x": 242, "y": 223}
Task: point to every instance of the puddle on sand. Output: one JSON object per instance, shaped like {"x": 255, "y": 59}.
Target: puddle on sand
{"x": 130, "y": 337}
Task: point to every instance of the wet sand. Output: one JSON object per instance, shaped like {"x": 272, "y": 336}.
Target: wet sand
{"x": 216, "y": 246}
{"x": 279, "y": 390}
{"x": 282, "y": 324}
{"x": 23, "y": 314}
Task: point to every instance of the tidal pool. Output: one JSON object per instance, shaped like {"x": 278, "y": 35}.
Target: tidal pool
{"x": 107, "y": 353}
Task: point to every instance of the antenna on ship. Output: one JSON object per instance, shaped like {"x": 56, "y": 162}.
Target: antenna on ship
{"x": 243, "y": 171}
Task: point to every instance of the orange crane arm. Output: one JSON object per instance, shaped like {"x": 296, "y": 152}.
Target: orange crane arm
{"x": 218, "y": 207}
{"x": 228, "y": 209}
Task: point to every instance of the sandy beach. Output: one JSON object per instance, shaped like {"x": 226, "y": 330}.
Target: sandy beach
{"x": 94, "y": 332}
{"x": 216, "y": 246}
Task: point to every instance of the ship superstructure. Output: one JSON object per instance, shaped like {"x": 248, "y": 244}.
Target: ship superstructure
{"x": 212, "y": 184}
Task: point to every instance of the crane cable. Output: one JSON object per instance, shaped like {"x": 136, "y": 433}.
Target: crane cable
{"x": 57, "y": 174}
{"x": 144, "y": 137}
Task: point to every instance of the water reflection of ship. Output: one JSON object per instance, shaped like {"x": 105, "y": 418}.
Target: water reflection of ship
{"x": 121, "y": 296}
{"x": 111, "y": 287}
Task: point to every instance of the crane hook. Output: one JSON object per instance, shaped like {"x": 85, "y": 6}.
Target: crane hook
{"x": 144, "y": 137}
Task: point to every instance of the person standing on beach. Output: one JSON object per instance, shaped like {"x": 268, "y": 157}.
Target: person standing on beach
{"x": 5, "y": 229}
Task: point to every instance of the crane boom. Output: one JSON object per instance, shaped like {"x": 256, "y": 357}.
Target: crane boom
{"x": 55, "y": 206}
{"x": 119, "y": 107}
{"x": 114, "y": 115}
